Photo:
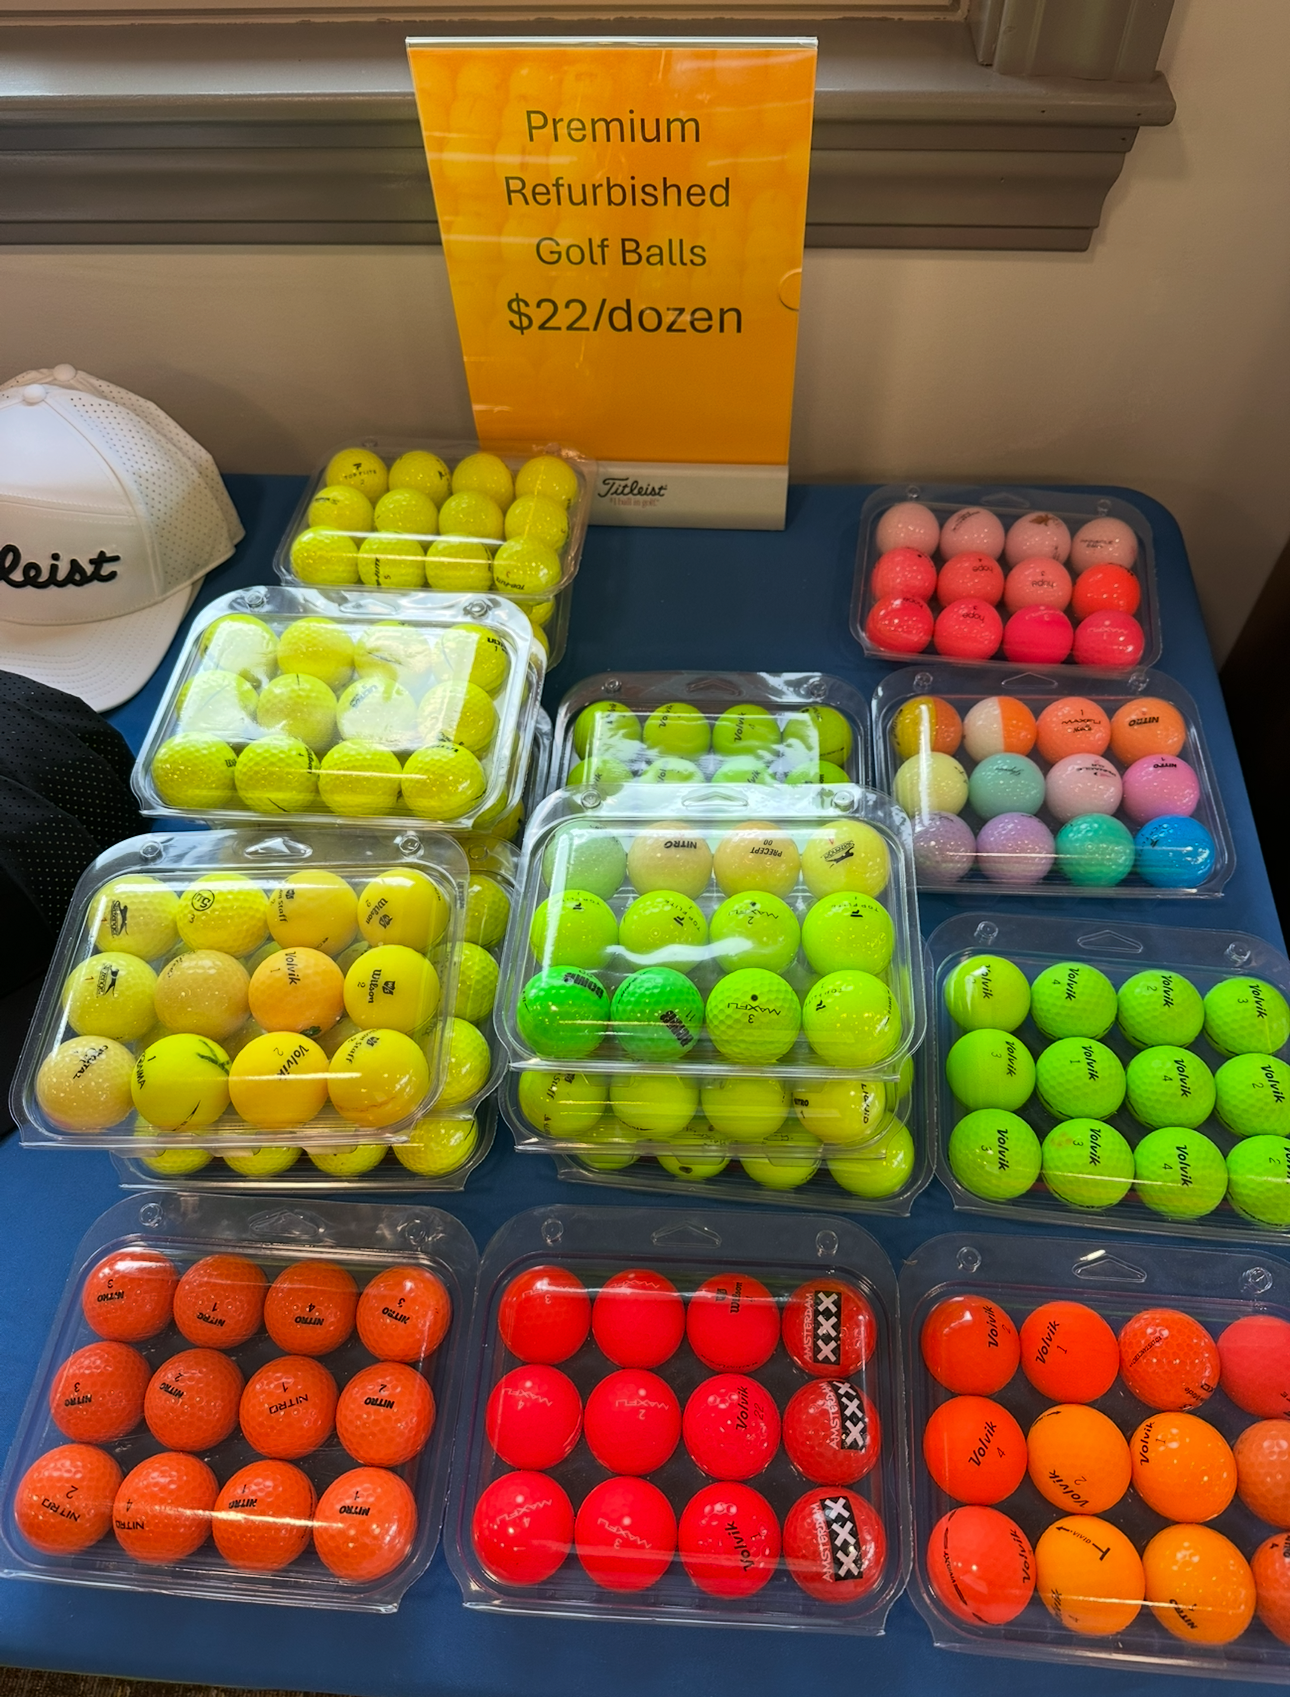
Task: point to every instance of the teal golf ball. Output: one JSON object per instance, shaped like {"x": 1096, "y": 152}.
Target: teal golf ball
{"x": 562, "y": 1013}
{"x": 987, "y": 992}
{"x": 1169, "y": 1086}
{"x": 1095, "y": 850}
{"x": 656, "y": 1014}
{"x": 1179, "y": 1172}
{"x": 1072, "y": 999}
{"x": 754, "y": 929}
{"x": 1258, "y": 1180}
{"x": 1087, "y": 1163}
{"x": 994, "y": 1154}
{"x": 663, "y": 928}
{"x": 753, "y": 1016}
{"x": 575, "y": 928}
{"x": 1160, "y": 1007}
{"x": 1246, "y": 1016}
{"x": 579, "y": 859}
{"x": 846, "y": 929}
{"x": 851, "y": 1019}
{"x": 1253, "y": 1095}
{"x": 1078, "y": 1078}
{"x": 990, "y": 1069}
{"x": 1006, "y": 783}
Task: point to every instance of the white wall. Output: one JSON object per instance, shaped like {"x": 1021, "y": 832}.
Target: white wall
{"x": 1160, "y": 359}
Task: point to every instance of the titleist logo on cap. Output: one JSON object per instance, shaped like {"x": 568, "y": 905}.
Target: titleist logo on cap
{"x": 17, "y": 573}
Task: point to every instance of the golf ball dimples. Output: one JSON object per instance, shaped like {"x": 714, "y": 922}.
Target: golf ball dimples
{"x": 1253, "y": 1095}
{"x": 729, "y": 1540}
{"x": 1006, "y": 783}
{"x": 1168, "y": 1360}
{"x": 969, "y": 1344}
{"x": 732, "y": 1323}
{"x": 1109, "y": 639}
{"x": 1160, "y": 1007}
{"x": 990, "y": 1069}
{"x": 969, "y": 576}
{"x": 831, "y": 1432}
{"x": 731, "y": 1427}
{"x": 180, "y": 1083}
{"x": 1145, "y": 727}
{"x": 931, "y": 783}
{"x": 980, "y": 1565}
{"x": 1073, "y": 999}
{"x": 746, "y": 1109}
{"x": 287, "y": 1409}
{"x": 657, "y": 1014}
{"x": 161, "y": 1512}
{"x": 1106, "y": 587}
{"x": 829, "y": 1328}
{"x": 1180, "y": 1173}
{"x": 223, "y": 911}
{"x": 195, "y": 772}
{"x": 385, "y": 1414}
{"x": 192, "y": 1400}
{"x": 97, "y": 1394}
{"x": 971, "y": 528}
{"x": 128, "y": 1295}
{"x": 443, "y": 781}
{"x": 851, "y": 1019}
{"x": 999, "y": 724}
{"x": 835, "y": 1545}
{"x": 219, "y": 1301}
{"x": 1169, "y": 1087}
{"x": 545, "y": 1315}
{"x": 638, "y": 1318}
{"x": 1246, "y": 1016}
{"x": 1199, "y": 1585}
{"x": 987, "y": 992}
{"x": 562, "y": 1104}
{"x": 666, "y": 925}
{"x": 573, "y": 928}
{"x": 632, "y": 1421}
{"x": 1037, "y": 583}
{"x": 134, "y": 916}
{"x": 403, "y": 1314}
{"x": 263, "y": 1516}
{"x": 968, "y": 630}
{"x": 1068, "y": 1352}
{"x": 847, "y": 856}
{"x": 1078, "y": 1077}
{"x": 1262, "y": 1455}
{"x": 909, "y": 524}
{"x": 669, "y": 856}
{"x": 1015, "y": 848}
{"x": 1077, "y": 1458}
{"x": 1038, "y": 636}
{"x": 1087, "y": 1163}
{"x": 1089, "y": 1576}
{"x": 205, "y": 993}
{"x": 534, "y": 1417}
{"x": 310, "y": 1306}
{"x": 63, "y": 1502}
{"x": 625, "y": 1534}
{"x": 753, "y": 1016}
{"x": 900, "y": 624}
{"x": 1175, "y": 853}
{"x": 974, "y": 1450}
{"x": 903, "y": 571}
{"x": 756, "y": 857}
{"x": 1037, "y": 535}
{"x": 944, "y": 848}
{"x": 1095, "y": 850}
{"x": 1080, "y": 784}
{"x": 1254, "y": 1354}
{"x": 563, "y": 1013}
{"x": 926, "y": 723}
{"x": 277, "y": 774}
{"x": 585, "y": 860}
{"x": 755, "y": 929}
{"x": 1160, "y": 784}
{"x": 1258, "y": 1180}
{"x": 110, "y": 995}
{"x": 365, "y": 1524}
{"x": 994, "y": 1154}
{"x": 1073, "y": 725}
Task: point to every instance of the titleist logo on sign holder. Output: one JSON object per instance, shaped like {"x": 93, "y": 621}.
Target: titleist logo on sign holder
{"x": 17, "y": 573}
{"x": 611, "y": 487}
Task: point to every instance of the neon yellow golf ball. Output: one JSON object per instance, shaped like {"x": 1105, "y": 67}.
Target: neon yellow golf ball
{"x": 476, "y": 983}
{"x": 223, "y": 911}
{"x": 474, "y": 653}
{"x": 195, "y": 773}
{"x": 359, "y": 779}
{"x": 353, "y": 1159}
{"x": 466, "y": 1066}
{"x": 267, "y": 1161}
{"x": 391, "y": 562}
{"x": 459, "y": 568}
{"x": 313, "y": 909}
{"x": 340, "y": 506}
{"x": 535, "y": 518}
{"x": 678, "y": 728}
{"x": 847, "y": 856}
{"x": 397, "y": 652}
{"x": 419, "y": 469}
{"x": 277, "y": 774}
{"x": 460, "y": 712}
{"x": 745, "y": 1107}
{"x": 655, "y": 1104}
{"x": 135, "y": 915}
{"x": 841, "y": 1110}
{"x": 550, "y": 476}
{"x": 278, "y": 1081}
{"x": 359, "y": 468}
{"x": 217, "y": 703}
{"x": 377, "y": 710}
{"x": 406, "y": 512}
{"x": 438, "y": 1145}
{"x": 298, "y": 705}
{"x": 472, "y": 516}
{"x": 317, "y": 648}
{"x": 443, "y": 781}
{"x": 790, "y": 1159}
{"x": 616, "y": 1146}
{"x": 484, "y": 474}
{"x": 404, "y": 906}
{"x": 603, "y": 726}
{"x": 525, "y": 566}
{"x": 325, "y": 558}
{"x": 562, "y": 1104}
{"x": 851, "y": 1019}
{"x": 238, "y": 642}
{"x": 180, "y": 1083}
{"x": 392, "y": 987}
{"x": 882, "y": 1168}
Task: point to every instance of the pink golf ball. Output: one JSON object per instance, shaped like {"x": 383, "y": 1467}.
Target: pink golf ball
{"x": 971, "y": 530}
{"x": 1037, "y": 535}
{"x": 1160, "y": 783}
{"x": 904, "y": 571}
{"x": 902, "y": 624}
{"x": 909, "y": 524}
{"x": 1114, "y": 640}
{"x": 968, "y": 630}
{"x": 1015, "y": 848}
{"x": 1037, "y": 583}
{"x": 1082, "y": 783}
{"x": 1038, "y": 636}
{"x": 969, "y": 577}
{"x": 1102, "y": 541}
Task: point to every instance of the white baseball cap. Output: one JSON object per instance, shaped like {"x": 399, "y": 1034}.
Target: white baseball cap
{"x": 109, "y": 516}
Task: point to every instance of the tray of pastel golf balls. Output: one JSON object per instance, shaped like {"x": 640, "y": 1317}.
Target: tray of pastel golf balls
{"x": 1019, "y": 787}
{"x": 714, "y": 727}
{"x": 1101, "y": 1453}
{"x": 1134, "y": 1072}
{"x": 336, "y": 704}
{"x": 443, "y": 516}
{"x": 222, "y": 1412}
{"x": 224, "y": 988}
{"x": 1037, "y": 577}
{"x": 679, "y": 1416}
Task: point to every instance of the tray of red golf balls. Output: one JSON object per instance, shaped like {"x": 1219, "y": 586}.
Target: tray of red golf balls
{"x": 1036, "y": 577}
{"x": 684, "y": 1439}
{"x": 244, "y": 1424}
{"x": 1102, "y": 1463}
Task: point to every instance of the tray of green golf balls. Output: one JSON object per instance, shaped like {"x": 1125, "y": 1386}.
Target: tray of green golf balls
{"x": 687, "y": 727}
{"x": 1133, "y": 1076}
{"x": 332, "y": 704}
{"x": 260, "y": 993}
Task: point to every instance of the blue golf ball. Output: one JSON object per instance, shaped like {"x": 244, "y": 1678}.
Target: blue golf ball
{"x": 1174, "y": 852}
{"x": 1006, "y": 783}
{"x": 1095, "y": 849}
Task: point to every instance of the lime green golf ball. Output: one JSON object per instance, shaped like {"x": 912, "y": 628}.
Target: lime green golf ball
{"x": 580, "y": 859}
{"x": 267, "y": 1161}
{"x": 1087, "y": 1163}
{"x": 654, "y": 1104}
{"x": 881, "y": 1169}
{"x": 1246, "y": 1016}
{"x": 851, "y": 1019}
{"x": 848, "y": 929}
{"x": 1179, "y": 1172}
{"x": 746, "y": 729}
{"x": 742, "y": 769}
{"x": 656, "y": 1014}
{"x": 818, "y": 733}
{"x": 563, "y": 1013}
{"x": 754, "y": 929}
{"x": 678, "y": 728}
{"x": 788, "y": 1160}
{"x": 753, "y": 1016}
{"x": 574, "y": 928}
{"x": 747, "y": 1107}
{"x": 1160, "y": 1007}
{"x": 604, "y": 773}
{"x": 617, "y": 1145}
{"x": 672, "y": 769}
{"x": 1258, "y": 1180}
{"x": 663, "y": 928}
{"x": 990, "y": 1069}
{"x": 1072, "y": 999}
{"x": 562, "y": 1104}
{"x": 987, "y": 992}
{"x": 694, "y": 1156}
{"x": 1078, "y": 1078}
{"x": 1253, "y": 1095}
{"x": 1169, "y": 1086}
{"x": 817, "y": 772}
{"x": 352, "y": 1160}
{"x": 602, "y": 725}
{"x": 844, "y": 1110}
{"x": 476, "y": 983}
{"x": 994, "y": 1154}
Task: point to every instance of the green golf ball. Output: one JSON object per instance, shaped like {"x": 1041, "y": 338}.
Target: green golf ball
{"x": 881, "y": 1168}
{"x": 656, "y": 1014}
{"x": 994, "y": 1154}
{"x": 602, "y": 724}
{"x": 747, "y": 1107}
{"x": 677, "y": 728}
{"x": 604, "y": 773}
{"x": 1258, "y": 1180}
{"x": 693, "y": 1156}
{"x": 753, "y": 1016}
{"x": 1169, "y": 1086}
{"x": 851, "y": 1019}
{"x": 1179, "y": 1172}
{"x": 654, "y": 1104}
{"x": 1078, "y": 1078}
{"x": 746, "y": 729}
{"x": 562, "y": 1104}
{"x": 1071, "y": 999}
{"x": 818, "y": 772}
{"x": 987, "y": 992}
{"x": 618, "y": 1145}
{"x": 671, "y": 769}
{"x": 1246, "y": 1016}
{"x": 562, "y": 1013}
{"x": 754, "y": 929}
{"x": 848, "y": 929}
{"x": 663, "y": 928}
{"x": 1160, "y": 1007}
{"x": 818, "y": 733}
{"x": 575, "y": 928}
{"x": 742, "y": 769}
{"x": 1253, "y": 1095}
{"x": 990, "y": 1069}
{"x": 580, "y": 859}
{"x": 1087, "y": 1164}
{"x": 789, "y": 1159}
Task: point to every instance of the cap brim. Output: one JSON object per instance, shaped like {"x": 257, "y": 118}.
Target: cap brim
{"x": 104, "y": 663}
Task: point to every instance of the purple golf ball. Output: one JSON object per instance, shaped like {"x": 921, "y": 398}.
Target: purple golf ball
{"x": 1015, "y": 848}
{"x": 1159, "y": 784}
{"x": 944, "y": 848}
{"x": 1083, "y": 783}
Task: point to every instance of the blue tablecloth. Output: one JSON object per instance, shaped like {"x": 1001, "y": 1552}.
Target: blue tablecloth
{"x": 644, "y": 599}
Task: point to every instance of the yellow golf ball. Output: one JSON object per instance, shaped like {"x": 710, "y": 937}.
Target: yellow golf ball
{"x": 313, "y": 909}
{"x": 340, "y": 506}
{"x": 458, "y": 712}
{"x": 391, "y": 562}
{"x": 484, "y": 474}
{"x": 488, "y": 909}
{"x": 217, "y": 704}
{"x": 203, "y": 992}
{"x": 456, "y": 567}
{"x": 278, "y": 1080}
{"x": 180, "y": 1083}
{"x": 474, "y": 653}
{"x": 238, "y": 642}
{"x": 317, "y": 648}
{"x": 526, "y": 567}
{"x": 135, "y": 915}
{"x": 847, "y": 856}
{"x": 476, "y": 983}
{"x": 548, "y": 475}
{"x": 326, "y": 558}
{"x": 360, "y": 469}
{"x": 377, "y": 1078}
{"x": 442, "y": 781}
{"x": 418, "y": 469}
{"x": 536, "y": 518}
{"x": 402, "y": 906}
{"x": 298, "y": 705}
{"x": 354, "y": 1158}
{"x": 359, "y": 779}
{"x": 407, "y": 512}
{"x": 396, "y": 652}
{"x": 223, "y": 911}
{"x": 110, "y": 995}
{"x": 392, "y": 987}
{"x": 195, "y": 773}
{"x": 471, "y": 516}
{"x": 178, "y": 1161}
{"x": 438, "y": 1145}
{"x": 467, "y": 1064}
{"x": 377, "y": 710}
{"x": 265, "y": 1162}
{"x": 85, "y": 1084}
{"x": 841, "y": 1110}
{"x": 277, "y": 774}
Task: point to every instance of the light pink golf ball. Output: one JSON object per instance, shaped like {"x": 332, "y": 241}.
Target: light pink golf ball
{"x": 1082, "y": 783}
{"x": 909, "y": 524}
{"x": 971, "y": 530}
{"x": 1160, "y": 783}
{"x": 1101, "y": 542}
{"x": 1037, "y": 583}
{"x": 1037, "y": 535}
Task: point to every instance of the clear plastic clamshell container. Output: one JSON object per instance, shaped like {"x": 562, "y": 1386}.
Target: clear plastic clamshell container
{"x": 1035, "y": 609}
{"x": 667, "y": 1419}
{"x": 722, "y": 727}
{"x": 1107, "y": 1533}
{"x": 1134, "y": 1115}
{"x": 253, "y": 993}
{"x": 346, "y": 704}
{"x": 184, "y": 1433}
{"x": 1016, "y": 786}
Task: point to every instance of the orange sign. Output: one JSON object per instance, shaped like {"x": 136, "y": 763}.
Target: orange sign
{"x": 623, "y": 225}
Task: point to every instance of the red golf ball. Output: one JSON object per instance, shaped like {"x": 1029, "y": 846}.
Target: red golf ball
{"x": 403, "y": 1314}
{"x": 385, "y": 1414}
{"x": 831, "y": 1432}
{"x": 288, "y": 1408}
{"x": 968, "y": 630}
{"x": 625, "y": 1534}
{"x": 162, "y": 1511}
{"x": 980, "y": 1565}
{"x": 1106, "y": 588}
{"x": 1109, "y": 639}
{"x": 263, "y": 1516}
{"x": 729, "y": 1540}
{"x": 1270, "y": 1565}
{"x": 974, "y": 1450}
{"x": 967, "y": 577}
{"x": 903, "y": 571}
{"x": 638, "y": 1318}
{"x": 128, "y": 1295}
{"x": 731, "y": 1427}
{"x": 829, "y": 1328}
{"x": 1167, "y": 1359}
{"x": 534, "y": 1416}
{"x": 310, "y": 1308}
{"x": 1262, "y": 1455}
{"x": 1255, "y": 1364}
{"x": 545, "y": 1315}
{"x": 98, "y": 1392}
{"x": 192, "y": 1400}
{"x": 365, "y": 1524}
{"x": 219, "y": 1301}
{"x": 522, "y": 1528}
{"x": 632, "y": 1421}
{"x": 970, "y": 1345}
{"x": 1068, "y": 1352}
{"x": 1038, "y": 636}
{"x": 835, "y": 1545}
{"x": 901, "y": 624}
{"x": 732, "y": 1323}
{"x": 63, "y": 1502}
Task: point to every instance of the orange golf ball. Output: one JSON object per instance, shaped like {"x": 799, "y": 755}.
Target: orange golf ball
{"x": 1182, "y": 1467}
{"x": 1199, "y": 1585}
{"x": 980, "y": 1565}
{"x": 1068, "y": 1352}
{"x": 1089, "y": 1576}
{"x": 127, "y": 1296}
{"x": 385, "y": 1414}
{"x": 1078, "y": 1459}
{"x": 974, "y": 1450}
{"x": 98, "y": 1392}
{"x": 162, "y": 1511}
{"x": 1167, "y": 1359}
{"x": 403, "y": 1314}
{"x": 192, "y": 1400}
{"x": 63, "y": 1502}
{"x": 1262, "y": 1456}
{"x": 219, "y": 1301}
{"x": 310, "y": 1308}
{"x": 1147, "y": 726}
{"x": 970, "y": 1345}
{"x": 297, "y": 990}
{"x": 1073, "y": 725}
{"x": 263, "y": 1516}
{"x": 1270, "y": 1565}
{"x": 288, "y": 1408}
{"x": 365, "y": 1524}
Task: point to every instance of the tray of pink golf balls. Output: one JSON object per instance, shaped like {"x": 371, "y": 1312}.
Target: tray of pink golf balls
{"x": 684, "y": 1436}
{"x": 1037, "y": 577}
{"x": 1021, "y": 787}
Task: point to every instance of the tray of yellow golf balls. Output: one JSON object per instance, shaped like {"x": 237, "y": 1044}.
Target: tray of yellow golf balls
{"x": 253, "y": 991}
{"x": 444, "y": 1146}
{"x": 443, "y": 515}
{"x": 343, "y": 704}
